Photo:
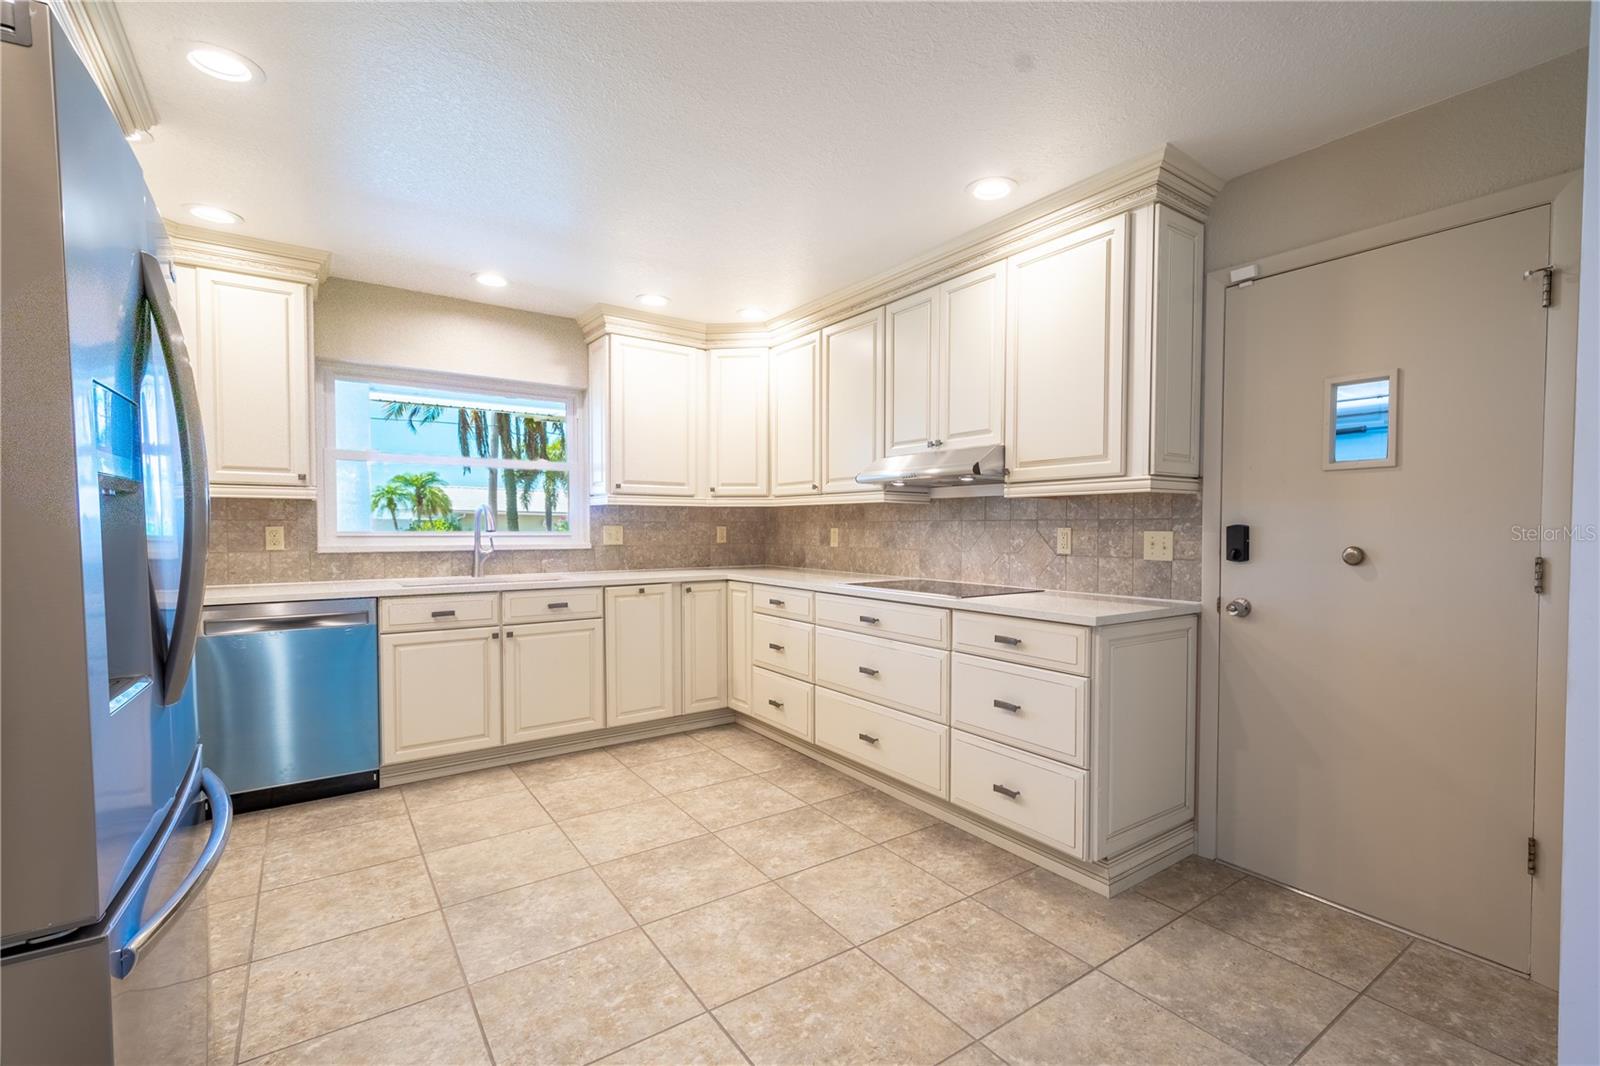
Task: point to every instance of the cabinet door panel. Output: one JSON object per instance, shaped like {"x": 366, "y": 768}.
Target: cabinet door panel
{"x": 794, "y": 418}
{"x": 852, "y": 407}
{"x": 1067, "y": 356}
{"x": 641, "y": 654}
{"x": 654, "y": 414}
{"x": 705, "y": 646}
{"x": 253, "y": 369}
{"x": 438, "y": 693}
{"x": 554, "y": 679}
{"x": 972, "y": 339}
{"x": 909, "y": 368}
{"x": 739, "y": 645}
{"x": 737, "y": 450}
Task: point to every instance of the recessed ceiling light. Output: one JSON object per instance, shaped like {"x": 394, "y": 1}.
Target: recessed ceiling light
{"x": 653, "y": 299}
{"x": 992, "y": 188}
{"x": 211, "y": 213}
{"x": 491, "y": 279}
{"x": 140, "y": 137}
{"x": 222, "y": 64}
{"x": 753, "y": 314}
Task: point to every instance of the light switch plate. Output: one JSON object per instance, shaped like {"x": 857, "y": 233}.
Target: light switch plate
{"x": 274, "y": 538}
{"x": 610, "y": 535}
{"x": 833, "y": 536}
{"x": 1158, "y": 545}
{"x": 722, "y": 534}
{"x": 1063, "y": 540}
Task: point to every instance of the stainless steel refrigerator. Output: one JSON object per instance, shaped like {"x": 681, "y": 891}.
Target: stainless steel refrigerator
{"x": 109, "y": 821}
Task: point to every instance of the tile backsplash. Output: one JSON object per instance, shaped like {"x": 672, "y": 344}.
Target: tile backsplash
{"x": 987, "y": 538}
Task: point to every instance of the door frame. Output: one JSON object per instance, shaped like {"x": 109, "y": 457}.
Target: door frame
{"x": 1564, "y": 195}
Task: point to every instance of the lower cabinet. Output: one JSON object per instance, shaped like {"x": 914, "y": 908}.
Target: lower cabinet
{"x": 782, "y": 701}
{"x": 705, "y": 646}
{"x": 739, "y": 594}
{"x": 1037, "y": 797}
{"x": 892, "y": 742}
{"x": 554, "y": 677}
{"x": 438, "y": 693}
{"x": 641, "y": 654}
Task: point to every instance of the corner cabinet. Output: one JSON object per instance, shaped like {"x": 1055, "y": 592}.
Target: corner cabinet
{"x": 739, "y": 612}
{"x": 736, "y": 449}
{"x": 851, "y": 354}
{"x": 249, "y": 339}
{"x": 795, "y": 421}
{"x": 641, "y": 653}
{"x": 704, "y": 632}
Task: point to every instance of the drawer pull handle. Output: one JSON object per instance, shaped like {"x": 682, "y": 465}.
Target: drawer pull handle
{"x": 776, "y": 603}
{"x": 1008, "y": 793}
{"x": 775, "y": 647}
{"x": 871, "y": 621}
{"x": 868, "y": 738}
{"x": 775, "y": 703}
{"x": 443, "y": 614}
{"x": 869, "y": 671}
{"x": 1010, "y": 642}
{"x": 1004, "y": 706}
{"x": 556, "y": 605}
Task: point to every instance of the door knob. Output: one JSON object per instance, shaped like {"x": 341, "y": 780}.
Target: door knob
{"x": 1353, "y": 556}
{"x": 1238, "y": 607}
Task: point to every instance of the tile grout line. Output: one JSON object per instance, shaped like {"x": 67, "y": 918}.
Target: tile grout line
{"x": 1346, "y": 1008}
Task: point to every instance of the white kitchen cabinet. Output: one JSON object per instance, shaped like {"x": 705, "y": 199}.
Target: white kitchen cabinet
{"x": 852, "y": 399}
{"x": 652, "y": 411}
{"x": 1103, "y": 354}
{"x": 249, "y": 339}
{"x": 736, "y": 452}
{"x": 705, "y": 646}
{"x": 945, "y": 364}
{"x": 438, "y": 693}
{"x": 795, "y": 422}
{"x": 641, "y": 653}
{"x": 739, "y": 614}
{"x": 554, "y": 679}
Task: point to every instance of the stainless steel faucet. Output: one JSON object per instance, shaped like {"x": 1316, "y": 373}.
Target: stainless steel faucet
{"x": 482, "y": 546}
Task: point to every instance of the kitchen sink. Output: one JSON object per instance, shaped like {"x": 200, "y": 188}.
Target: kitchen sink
{"x": 486, "y": 579}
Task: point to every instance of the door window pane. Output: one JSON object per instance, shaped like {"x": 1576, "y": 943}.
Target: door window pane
{"x": 1361, "y": 422}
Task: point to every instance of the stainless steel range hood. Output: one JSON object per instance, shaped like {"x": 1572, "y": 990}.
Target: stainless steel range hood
{"x": 984, "y": 464}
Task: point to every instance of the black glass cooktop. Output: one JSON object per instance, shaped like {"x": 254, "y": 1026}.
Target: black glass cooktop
{"x": 960, "y": 590}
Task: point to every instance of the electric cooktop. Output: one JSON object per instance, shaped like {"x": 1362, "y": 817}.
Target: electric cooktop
{"x": 959, "y": 590}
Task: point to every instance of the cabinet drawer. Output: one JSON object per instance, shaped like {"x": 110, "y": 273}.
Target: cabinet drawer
{"x": 405, "y": 613}
{"x": 548, "y": 605}
{"x": 919, "y": 625}
{"x": 1034, "y": 796}
{"x": 903, "y": 676}
{"x": 782, "y": 645}
{"x": 1052, "y": 645}
{"x": 785, "y": 603}
{"x": 782, "y": 701}
{"x": 901, "y": 745}
{"x": 1043, "y": 711}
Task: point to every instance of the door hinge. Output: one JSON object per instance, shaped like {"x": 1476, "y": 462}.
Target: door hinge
{"x": 1533, "y": 855}
{"x": 1219, "y": 604}
{"x": 1546, "y": 273}
{"x": 1538, "y": 575}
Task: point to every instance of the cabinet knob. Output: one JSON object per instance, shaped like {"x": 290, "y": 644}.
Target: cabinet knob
{"x": 713, "y": 488}
{"x": 619, "y": 484}
{"x": 815, "y": 485}
{"x": 302, "y": 477}
{"x": 510, "y": 633}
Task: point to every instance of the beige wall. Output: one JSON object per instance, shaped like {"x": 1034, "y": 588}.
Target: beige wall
{"x": 376, "y": 325}
{"x": 1508, "y": 133}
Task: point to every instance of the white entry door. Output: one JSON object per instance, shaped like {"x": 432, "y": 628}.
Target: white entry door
{"x": 1376, "y": 707}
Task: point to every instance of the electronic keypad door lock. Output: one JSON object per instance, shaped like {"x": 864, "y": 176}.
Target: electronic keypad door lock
{"x": 1237, "y": 548}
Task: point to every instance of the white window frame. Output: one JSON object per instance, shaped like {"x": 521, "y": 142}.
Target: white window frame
{"x": 1330, "y": 401}
{"x": 331, "y": 539}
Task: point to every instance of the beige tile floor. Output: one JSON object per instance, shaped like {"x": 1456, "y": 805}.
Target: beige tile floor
{"x": 717, "y": 898}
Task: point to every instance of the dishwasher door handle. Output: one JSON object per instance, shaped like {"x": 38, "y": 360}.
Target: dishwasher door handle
{"x": 231, "y": 627}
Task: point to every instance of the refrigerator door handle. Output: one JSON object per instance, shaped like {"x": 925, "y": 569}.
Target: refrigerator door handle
{"x": 196, "y": 484}
{"x": 124, "y": 959}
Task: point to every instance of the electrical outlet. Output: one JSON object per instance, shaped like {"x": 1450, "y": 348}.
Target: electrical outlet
{"x": 833, "y": 536}
{"x": 1063, "y": 540}
{"x": 1158, "y": 545}
{"x": 274, "y": 538}
{"x": 610, "y": 535}
{"x": 722, "y": 534}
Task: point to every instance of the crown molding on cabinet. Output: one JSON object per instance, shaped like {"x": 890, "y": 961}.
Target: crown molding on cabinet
{"x": 95, "y": 30}
{"x": 1166, "y": 176}
{"x": 248, "y": 255}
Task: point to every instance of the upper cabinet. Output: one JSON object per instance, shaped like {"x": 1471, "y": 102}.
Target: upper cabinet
{"x": 945, "y": 364}
{"x": 653, "y": 416}
{"x": 852, "y": 399}
{"x": 795, "y": 422}
{"x": 736, "y": 451}
{"x": 248, "y": 334}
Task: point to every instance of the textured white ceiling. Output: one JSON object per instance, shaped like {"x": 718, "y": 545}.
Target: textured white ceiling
{"x": 754, "y": 153}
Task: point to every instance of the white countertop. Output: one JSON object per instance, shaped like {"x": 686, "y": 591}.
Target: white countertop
{"x": 1077, "y": 608}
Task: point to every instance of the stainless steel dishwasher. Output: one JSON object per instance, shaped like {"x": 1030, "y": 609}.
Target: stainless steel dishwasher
{"x": 288, "y": 698}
